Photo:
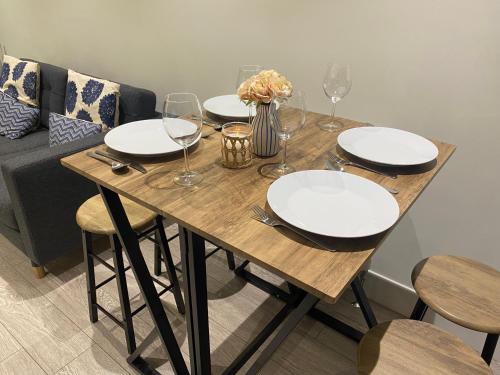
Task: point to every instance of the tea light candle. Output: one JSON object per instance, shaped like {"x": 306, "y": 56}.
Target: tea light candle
{"x": 236, "y": 145}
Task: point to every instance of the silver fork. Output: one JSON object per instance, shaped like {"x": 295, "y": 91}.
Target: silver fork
{"x": 338, "y": 167}
{"x": 337, "y": 159}
{"x": 262, "y": 216}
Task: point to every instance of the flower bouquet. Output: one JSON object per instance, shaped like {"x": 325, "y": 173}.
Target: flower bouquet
{"x": 264, "y": 90}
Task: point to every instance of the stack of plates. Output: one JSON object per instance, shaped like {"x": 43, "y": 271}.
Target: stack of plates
{"x": 228, "y": 106}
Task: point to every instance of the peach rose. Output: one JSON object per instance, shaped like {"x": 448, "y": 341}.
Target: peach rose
{"x": 265, "y": 87}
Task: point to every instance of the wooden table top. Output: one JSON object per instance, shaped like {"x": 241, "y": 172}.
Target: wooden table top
{"x": 219, "y": 208}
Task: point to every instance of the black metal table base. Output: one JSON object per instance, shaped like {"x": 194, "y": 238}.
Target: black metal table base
{"x": 314, "y": 312}
{"x": 298, "y": 304}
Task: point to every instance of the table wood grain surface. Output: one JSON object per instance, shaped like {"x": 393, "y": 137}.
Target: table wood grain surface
{"x": 219, "y": 208}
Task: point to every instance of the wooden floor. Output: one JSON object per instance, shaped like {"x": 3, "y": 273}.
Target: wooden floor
{"x": 44, "y": 325}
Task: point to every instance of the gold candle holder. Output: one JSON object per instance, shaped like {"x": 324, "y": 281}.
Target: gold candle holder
{"x": 236, "y": 145}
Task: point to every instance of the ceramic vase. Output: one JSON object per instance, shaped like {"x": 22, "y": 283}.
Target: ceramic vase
{"x": 265, "y": 140}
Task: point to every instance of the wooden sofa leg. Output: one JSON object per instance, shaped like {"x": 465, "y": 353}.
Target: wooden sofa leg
{"x": 38, "y": 270}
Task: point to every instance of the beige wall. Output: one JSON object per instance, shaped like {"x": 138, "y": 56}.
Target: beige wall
{"x": 428, "y": 66}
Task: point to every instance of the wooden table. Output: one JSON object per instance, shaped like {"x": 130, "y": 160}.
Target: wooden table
{"x": 219, "y": 210}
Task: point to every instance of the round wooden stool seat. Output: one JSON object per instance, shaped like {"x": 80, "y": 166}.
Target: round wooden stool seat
{"x": 92, "y": 216}
{"x": 461, "y": 290}
{"x": 411, "y": 347}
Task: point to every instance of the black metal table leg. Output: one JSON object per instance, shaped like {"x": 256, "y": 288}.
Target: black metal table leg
{"x": 121, "y": 281}
{"x": 364, "y": 304}
{"x": 130, "y": 244}
{"x": 195, "y": 294}
{"x": 489, "y": 347}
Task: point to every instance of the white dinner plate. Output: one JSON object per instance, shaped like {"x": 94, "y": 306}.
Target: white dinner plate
{"x": 331, "y": 203}
{"x": 227, "y": 106}
{"x": 387, "y": 146}
{"x": 142, "y": 138}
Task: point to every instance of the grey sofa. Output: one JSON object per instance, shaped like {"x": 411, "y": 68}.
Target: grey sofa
{"x": 39, "y": 197}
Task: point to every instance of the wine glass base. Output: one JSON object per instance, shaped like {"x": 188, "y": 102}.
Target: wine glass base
{"x": 277, "y": 170}
{"x": 190, "y": 178}
{"x": 331, "y": 126}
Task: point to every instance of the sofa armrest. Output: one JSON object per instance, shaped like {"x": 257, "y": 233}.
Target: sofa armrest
{"x": 45, "y": 197}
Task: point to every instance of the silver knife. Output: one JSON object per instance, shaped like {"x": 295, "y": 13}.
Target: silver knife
{"x": 132, "y": 164}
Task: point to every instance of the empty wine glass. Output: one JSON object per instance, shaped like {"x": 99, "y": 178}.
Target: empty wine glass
{"x": 337, "y": 84}
{"x": 290, "y": 118}
{"x": 245, "y": 72}
{"x": 182, "y": 120}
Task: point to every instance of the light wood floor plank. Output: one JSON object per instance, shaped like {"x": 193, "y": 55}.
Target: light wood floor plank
{"x": 20, "y": 363}
{"x": 92, "y": 361}
{"x": 8, "y": 344}
{"x": 38, "y": 325}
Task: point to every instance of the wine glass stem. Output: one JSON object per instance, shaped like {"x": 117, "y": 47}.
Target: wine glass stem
{"x": 283, "y": 160}
{"x": 186, "y": 160}
{"x": 333, "y": 111}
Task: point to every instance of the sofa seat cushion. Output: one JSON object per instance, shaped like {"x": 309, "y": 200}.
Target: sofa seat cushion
{"x": 7, "y": 216}
{"x": 36, "y": 139}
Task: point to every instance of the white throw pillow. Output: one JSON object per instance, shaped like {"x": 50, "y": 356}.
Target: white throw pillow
{"x": 92, "y": 99}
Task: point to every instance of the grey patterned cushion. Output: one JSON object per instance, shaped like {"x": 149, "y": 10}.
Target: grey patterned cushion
{"x": 16, "y": 119}
{"x": 63, "y": 129}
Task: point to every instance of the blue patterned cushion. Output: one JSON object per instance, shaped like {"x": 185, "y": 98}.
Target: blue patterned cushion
{"x": 92, "y": 99}
{"x": 16, "y": 119}
{"x": 21, "y": 80}
{"x": 63, "y": 129}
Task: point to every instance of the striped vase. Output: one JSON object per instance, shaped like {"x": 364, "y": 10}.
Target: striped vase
{"x": 265, "y": 139}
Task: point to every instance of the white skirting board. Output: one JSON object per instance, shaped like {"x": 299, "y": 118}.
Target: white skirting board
{"x": 401, "y": 299}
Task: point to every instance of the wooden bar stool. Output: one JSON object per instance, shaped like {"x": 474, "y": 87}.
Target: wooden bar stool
{"x": 93, "y": 219}
{"x": 463, "y": 291}
{"x": 407, "y": 347}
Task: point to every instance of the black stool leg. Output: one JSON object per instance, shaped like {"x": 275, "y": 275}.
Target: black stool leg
{"x": 230, "y": 260}
{"x": 157, "y": 261}
{"x": 90, "y": 274}
{"x": 161, "y": 238}
{"x": 419, "y": 310}
{"x": 121, "y": 282}
{"x": 489, "y": 347}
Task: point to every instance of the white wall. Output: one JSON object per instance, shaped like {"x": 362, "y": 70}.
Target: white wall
{"x": 428, "y": 66}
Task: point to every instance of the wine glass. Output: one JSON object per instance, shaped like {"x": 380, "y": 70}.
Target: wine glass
{"x": 290, "y": 118}
{"x": 337, "y": 84}
{"x": 182, "y": 120}
{"x": 3, "y": 52}
{"x": 245, "y": 72}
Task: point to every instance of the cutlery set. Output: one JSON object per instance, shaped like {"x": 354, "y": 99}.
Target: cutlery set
{"x": 118, "y": 164}
{"x": 264, "y": 217}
